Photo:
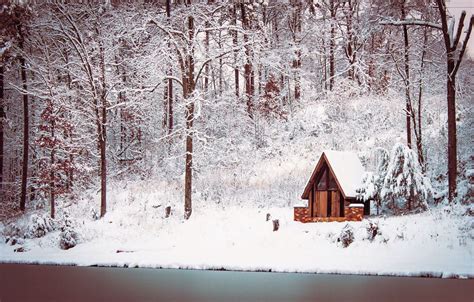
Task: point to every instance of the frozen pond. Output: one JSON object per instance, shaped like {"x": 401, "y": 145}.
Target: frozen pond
{"x": 19, "y": 282}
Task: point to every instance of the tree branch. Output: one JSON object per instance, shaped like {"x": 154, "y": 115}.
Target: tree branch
{"x": 459, "y": 31}
{"x": 464, "y": 45}
{"x": 411, "y": 22}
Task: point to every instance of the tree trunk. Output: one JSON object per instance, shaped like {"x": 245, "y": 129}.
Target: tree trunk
{"x": 169, "y": 93}
{"x": 407, "y": 78}
{"x": 452, "y": 64}
{"x": 332, "y": 46}
{"x": 103, "y": 134}
{"x": 452, "y": 140}
{"x": 26, "y": 127}
{"x": 235, "y": 43}
{"x": 103, "y": 162}
{"x": 70, "y": 172}
{"x": 188, "y": 89}
{"x": 297, "y": 60}
{"x": 2, "y": 117}
{"x": 51, "y": 183}
{"x": 417, "y": 119}
{"x": 248, "y": 69}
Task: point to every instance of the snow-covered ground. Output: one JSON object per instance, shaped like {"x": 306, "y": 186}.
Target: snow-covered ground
{"x": 437, "y": 243}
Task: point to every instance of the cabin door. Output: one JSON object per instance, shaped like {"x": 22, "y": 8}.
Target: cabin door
{"x": 321, "y": 203}
{"x": 326, "y": 198}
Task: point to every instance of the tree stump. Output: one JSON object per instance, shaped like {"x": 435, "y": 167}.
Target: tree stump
{"x": 268, "y": 216}
{"x": 276, "y": 225}
{"x": 167, "y": 211}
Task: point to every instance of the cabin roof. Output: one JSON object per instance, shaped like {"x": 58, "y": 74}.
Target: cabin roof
{"x": 346, "y": 168}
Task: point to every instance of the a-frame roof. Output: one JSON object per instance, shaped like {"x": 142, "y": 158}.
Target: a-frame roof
{"x": 346, "y": 168}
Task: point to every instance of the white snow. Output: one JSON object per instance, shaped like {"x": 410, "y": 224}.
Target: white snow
{"x": 348, "y": 170}
{"x": 436, "y": 243}
{"x": 356, "y": 205}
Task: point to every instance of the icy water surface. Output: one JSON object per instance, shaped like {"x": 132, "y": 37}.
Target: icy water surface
{"x": 19, "y": 282}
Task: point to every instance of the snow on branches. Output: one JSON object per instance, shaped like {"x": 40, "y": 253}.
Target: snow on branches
{"x": 398, "y": 184}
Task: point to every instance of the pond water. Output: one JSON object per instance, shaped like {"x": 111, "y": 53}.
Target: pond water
{"x": 20, "y": 282}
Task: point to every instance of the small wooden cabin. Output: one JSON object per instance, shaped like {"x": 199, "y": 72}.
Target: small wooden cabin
{"x": 331, "y": 189}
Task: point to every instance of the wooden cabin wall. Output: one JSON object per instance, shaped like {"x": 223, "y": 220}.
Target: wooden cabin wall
{"x": 335, "y": 202}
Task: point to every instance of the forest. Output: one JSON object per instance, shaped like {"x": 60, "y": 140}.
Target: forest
{"x": 130, "y": 110}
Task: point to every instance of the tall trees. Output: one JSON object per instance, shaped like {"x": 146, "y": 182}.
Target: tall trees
{"x": 454, "y": 55}
{"x": 106, "y": 61}
{"x": 249, "y": 73}
{"x": 294, "y": 24}
{"x": 91, "y": 74}
{"x": 455, "y": 50}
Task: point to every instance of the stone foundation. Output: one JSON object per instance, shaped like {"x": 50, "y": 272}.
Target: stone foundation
{"x": 351, "y": 213}
{"x": 354, "y": 212}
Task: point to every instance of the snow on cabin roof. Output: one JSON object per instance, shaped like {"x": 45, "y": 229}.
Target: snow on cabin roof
{"x": 347, "y": 169}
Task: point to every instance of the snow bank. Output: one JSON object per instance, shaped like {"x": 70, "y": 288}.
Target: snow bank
{"x": 435, "y": 243}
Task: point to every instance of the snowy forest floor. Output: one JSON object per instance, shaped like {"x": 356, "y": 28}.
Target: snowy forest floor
{"x": 436, "y": 243}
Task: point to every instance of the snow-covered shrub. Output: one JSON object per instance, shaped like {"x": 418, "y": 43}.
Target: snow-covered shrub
{"x": 372, "y": 182}
{"x": 39, "y": 226}
{"x": 346, "y": 237}
{"x": 373, "y": 230}
{"x": 94, "y": 214}
{"x": 467, "y": 197}
{"x": 14, "y": 240}
{"x": 404, "y": 187}
{"x": 68, "y": 237}
{"x": 12, "y": 230}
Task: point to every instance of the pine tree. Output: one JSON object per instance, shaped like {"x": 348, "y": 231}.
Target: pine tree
{"x": 404, "y": 186}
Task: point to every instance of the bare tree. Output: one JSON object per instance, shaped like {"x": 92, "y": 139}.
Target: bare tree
{"x": 454, "y": 56}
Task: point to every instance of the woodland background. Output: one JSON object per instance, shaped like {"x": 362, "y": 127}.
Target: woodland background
{"x": 224, "y": 101}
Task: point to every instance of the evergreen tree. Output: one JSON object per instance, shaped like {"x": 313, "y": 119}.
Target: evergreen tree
{"x": 404, "y": 186}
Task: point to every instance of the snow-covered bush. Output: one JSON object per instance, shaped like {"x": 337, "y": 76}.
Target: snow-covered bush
{"x": 404, "y": 187}
{"x": 466, "y": 188}
{"x": 94, "y": 214}
{"x": 373, "y": 230}
{"x": 39, "y": 226}
{"x": 346, "y": 237}
{"x": 68, "y": 237}
{"x": 12, "y": 230}
{"x": 13, "y": 234}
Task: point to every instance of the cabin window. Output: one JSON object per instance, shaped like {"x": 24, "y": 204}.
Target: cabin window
{"x": 332, "y": 183}
{"x": 322, "y": 184}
